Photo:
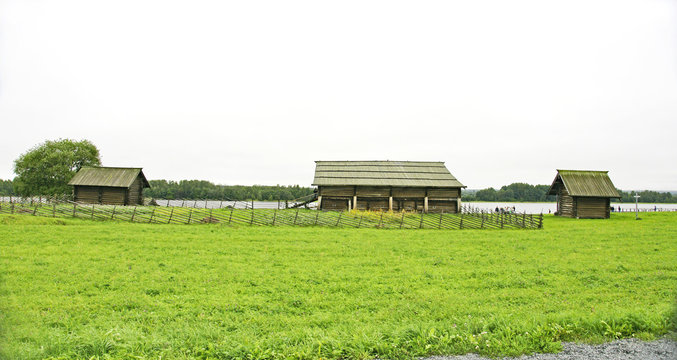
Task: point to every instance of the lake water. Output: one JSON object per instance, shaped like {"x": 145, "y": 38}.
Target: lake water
{"x": 529, "y": 208}
{"x": 551, "y": 207}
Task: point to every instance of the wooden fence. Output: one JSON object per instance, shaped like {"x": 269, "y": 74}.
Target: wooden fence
{"x": 275, "y": 217}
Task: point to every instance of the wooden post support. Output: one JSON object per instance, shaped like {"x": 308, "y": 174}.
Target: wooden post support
{"x": 425, "y": 204}
{"x": 319, "y": 202}
{"x": 390, "y": 203}
{"x": 355, "y": 202}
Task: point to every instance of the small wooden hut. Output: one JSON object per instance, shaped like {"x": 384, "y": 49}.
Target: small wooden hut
{"x": 109, "y": 185}
{"x": 583, "y": 194}
{"x": 387, "y": 185}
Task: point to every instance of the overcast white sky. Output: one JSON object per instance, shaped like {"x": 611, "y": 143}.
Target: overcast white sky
{"x": 252, "y": 92}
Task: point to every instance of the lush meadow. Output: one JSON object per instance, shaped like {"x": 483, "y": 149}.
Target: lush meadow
{"x": 74, "y": 288}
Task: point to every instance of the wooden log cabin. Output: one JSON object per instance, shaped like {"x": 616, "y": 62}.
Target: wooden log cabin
{"x": 109, "y": 185}
{"x": 583, "y": 194}
{"x": 387, "y": 185}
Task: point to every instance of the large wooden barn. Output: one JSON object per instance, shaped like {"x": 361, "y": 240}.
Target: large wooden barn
{"x": 583, "y": 194}
{"x": 109, "y": 185}
{"x": 387, "y": 185}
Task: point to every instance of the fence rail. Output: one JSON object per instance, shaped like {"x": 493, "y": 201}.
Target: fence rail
{"x": 274, "y": 217}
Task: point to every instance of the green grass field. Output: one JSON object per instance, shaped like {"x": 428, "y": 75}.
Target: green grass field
{"x": 85, "y": 289}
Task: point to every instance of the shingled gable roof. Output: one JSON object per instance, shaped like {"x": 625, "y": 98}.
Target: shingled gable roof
{"x": 384, "y": 173}
{"x": 108, "y": 176}
{"x": 585, "y": 183}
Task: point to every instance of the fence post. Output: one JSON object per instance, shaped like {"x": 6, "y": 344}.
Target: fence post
{"x": 171, "y": 213}
{"x": 190, "y": 215}
{"x": 211, "y": 218}
{"x": 297, "y": 215}
{"x": 54, "y": 210}
{"x": 92, "y": 211}
{"x": 252, "y": 204}
{"x": 133, "y": 213}
{"x": 339, "y": 218}
{"x": 524, "y": 216}
{"x": 35, "y": 210}
{"x": 461, "y": 225}
{"x": 74, "y": 206}
{"x": 540, "y": 221}
{"x": 482, "y": 226}
{"x": 275, "y": 212}
{"x": 420, "y": 226}
{"x": 252, "y": 220}
{"x": 151, "y": 216}
{"x": 316, "y": 216}
{"x": 439, "y": 226}
{"x": 360, "y": 223}
{"x": 402, "y": 220}
{"x": 112, "y": 215}
{"x": 502, "y": 221}
{"x": 11, "y": 206}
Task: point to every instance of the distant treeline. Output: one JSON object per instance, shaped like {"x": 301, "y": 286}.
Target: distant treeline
{"x": 6, "y": 188}
{"x": 538, "y": 193}
{"x": 510, "y": 193}
{"x": 201, "y": 189}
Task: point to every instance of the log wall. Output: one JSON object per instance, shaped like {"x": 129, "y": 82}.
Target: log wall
{"x": 376, "y": 198}
{"x": 592, "y": 207}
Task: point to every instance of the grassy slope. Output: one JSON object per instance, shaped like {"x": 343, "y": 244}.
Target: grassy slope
{"x": 77, "y": 289}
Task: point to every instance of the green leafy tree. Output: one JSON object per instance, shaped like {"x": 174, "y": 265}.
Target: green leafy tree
{"x": 47, "y": 168}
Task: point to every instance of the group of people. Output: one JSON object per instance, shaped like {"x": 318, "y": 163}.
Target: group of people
{"x": 505, "y": 210}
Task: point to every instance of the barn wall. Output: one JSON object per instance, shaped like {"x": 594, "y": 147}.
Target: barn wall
{"x": 442, "y": 206}
{"x": 113, "y": 195}
{"x": 372, "y": 191}
{"x": 566, "y": 203}
{"x": 376, "y": 198}
{"x": 592, "y": 207}
{"x": 135, "y": 192}
{"x": 336, "y": 190}
{"x": 448, "y": 193}
{"x": 87, "y": 194}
